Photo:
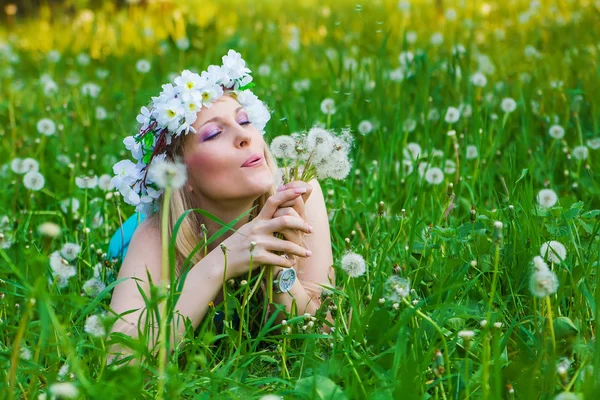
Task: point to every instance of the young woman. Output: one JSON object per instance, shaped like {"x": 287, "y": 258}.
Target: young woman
{"x": 230, "y": 169}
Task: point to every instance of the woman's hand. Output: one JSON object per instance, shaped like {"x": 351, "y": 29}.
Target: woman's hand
{"x": 298, "y": 203}
{"x": 260, "y": 231}
{"x": 294, "y": 208}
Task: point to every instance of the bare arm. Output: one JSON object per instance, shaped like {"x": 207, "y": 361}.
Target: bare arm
{"x": 316, "y": 269}
{"x": 201, "y": 286}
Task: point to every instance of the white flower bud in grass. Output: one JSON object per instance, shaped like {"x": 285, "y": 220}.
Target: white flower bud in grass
{"x": 354, "y": 264}
{"x": 547, "y": 198}
{"x": 382, "y": 300}
{"x": 168, "y": 174}
{"x": 64, "y": 390}
{"x": 49, "y": 229}
{"x": 33, "y": 180}
{"x": 483, "y": 323}
{"x": 554, "y": 251}
{"x": 94, "y": 327}
{"x": 466, "y": 335}
{"x": 543, "y": 283}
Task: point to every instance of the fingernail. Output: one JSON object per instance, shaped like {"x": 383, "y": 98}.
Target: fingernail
{"x": 300, "y": 190}
{"x": 308, "y": 253}
{"x": 310, "y": 229}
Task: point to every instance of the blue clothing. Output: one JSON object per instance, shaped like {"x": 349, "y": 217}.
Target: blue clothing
{"x": 119, "y": 243}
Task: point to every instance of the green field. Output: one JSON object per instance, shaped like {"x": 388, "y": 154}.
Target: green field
{"x": 476, "y": 133}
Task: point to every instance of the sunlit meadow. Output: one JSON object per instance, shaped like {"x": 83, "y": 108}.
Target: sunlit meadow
{"x": 466, "y": 237}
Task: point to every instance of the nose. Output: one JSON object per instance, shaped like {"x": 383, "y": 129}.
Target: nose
{"x": 243, "y": 136}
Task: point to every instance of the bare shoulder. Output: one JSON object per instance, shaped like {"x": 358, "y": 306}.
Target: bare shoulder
{"x": 144, "y": 251}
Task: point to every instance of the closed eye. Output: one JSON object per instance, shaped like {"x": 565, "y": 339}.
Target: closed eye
{"x": 218, "y": 133}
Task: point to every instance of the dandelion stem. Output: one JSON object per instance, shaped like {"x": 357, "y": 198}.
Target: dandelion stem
{"x": 550, "y": 323}
{"x": 162, "y": 357}
{"x": 437, "y": 328}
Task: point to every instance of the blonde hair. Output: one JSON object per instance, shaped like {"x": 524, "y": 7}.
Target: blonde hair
{"x": 190, "y": 231}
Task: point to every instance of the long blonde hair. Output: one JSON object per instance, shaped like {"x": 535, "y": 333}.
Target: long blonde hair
{"x": 190, "y": 231}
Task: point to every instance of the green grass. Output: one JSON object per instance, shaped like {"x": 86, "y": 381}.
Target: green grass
{"x": 408, "y": 351}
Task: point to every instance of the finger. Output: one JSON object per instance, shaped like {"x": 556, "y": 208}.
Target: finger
{"x": 280, "y": 261}
{"x": 281, "y": 211}
{"x": 274, "y": 201}
{"x": 276, "y": 244}
{"x": 298, "y": 183}
{"x": 285, "y": 222}
{"x": 293, "y": 235}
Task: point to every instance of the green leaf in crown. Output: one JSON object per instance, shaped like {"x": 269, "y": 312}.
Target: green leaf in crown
{"x": 146, "y": 158}
{"x": 247, "y": 86}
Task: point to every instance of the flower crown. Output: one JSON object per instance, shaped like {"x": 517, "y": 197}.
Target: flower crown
{"x": 172, "y": 113}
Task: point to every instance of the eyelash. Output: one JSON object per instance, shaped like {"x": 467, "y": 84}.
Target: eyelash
{"x": 214, "y": 136}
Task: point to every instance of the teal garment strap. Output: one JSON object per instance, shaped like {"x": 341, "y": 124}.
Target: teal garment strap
{"x": 119, "y": 242}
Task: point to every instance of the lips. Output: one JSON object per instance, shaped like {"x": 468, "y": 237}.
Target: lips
{"x": 253, "y": 160}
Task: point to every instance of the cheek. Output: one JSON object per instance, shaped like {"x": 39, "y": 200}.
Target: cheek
{"x": 208, "y": 165}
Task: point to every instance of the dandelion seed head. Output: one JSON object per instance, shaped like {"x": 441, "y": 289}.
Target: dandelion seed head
{"x": 543, "y": 283}
{"x": 547, "y": 198}
{"x": 354, "y": 264}
{"x": 554, "y": 251}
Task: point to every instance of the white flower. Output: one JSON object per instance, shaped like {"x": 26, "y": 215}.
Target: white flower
{"x": 409, "y": 125}
{"x": 143, "y": 66}
{"x": 284, "y": 146}
{"x": 25, "y": 353}
{"x": 556, "y": 131}
{"x": 53, "y": 56}
{"x": 567, "y": 396}
{"x": 437, "y": 39}
{"x": 508, "y": 105}
{"x": 70, "y": 251}
{"x": 104, "y": 182}
{"x": 543, "y": 283}
{"x": 64, "y": 204}
{"x": 328, "y": 106}
{"x": 72, "y": 78}
{"x": 433, "y": 114}
{"x": 83, "y": 59}
{"x": 49, "y": 229}
{"x": 102, "y": 73}
{"x": 365, "y": 127}
{"x": 547, "y": 198}
{"x": 182, "y": 43}
{"x": 581, "y": 152}
{"x": 33, "y": 180}
{"x": 64, "y": 390}
{"x": 354, "y": 264}
{"x": 86, "y": 182}
{"x": 101, "y": 113}
{"x": 93, "y": 287}
{"x": 168, "y": 174}
{"x": 319, "y": 141}
{"x": 411, "y": 37}
{"x": 22, "y": 166}
{"x": 90, "y": 89}
{"x": 466, "y": 335}
{"x": 412, "y": 151}
{"x": 301, "y": 85}
{"x": 396, "y": 288}
{"x": 449, "y": 167}
{"x": 472, "y": 152}
{"x": 434, "y": 176}
{"x": 264, "y": 70}
{"x": 61, "y": 269}
{"x": 539, "y": 264}
{"x": 46, "y": 126}
{"x": 594, "y": 143}
{"x": 452, "y": 115}
{"x": 93, "y": 326}
{"x": 63, "y": 370}
{"x": 555, "y": 251}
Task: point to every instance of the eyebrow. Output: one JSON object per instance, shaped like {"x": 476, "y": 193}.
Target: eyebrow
{"x": 218, "y": 118}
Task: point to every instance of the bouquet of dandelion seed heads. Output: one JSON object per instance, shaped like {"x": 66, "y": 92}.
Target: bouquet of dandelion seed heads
{"x": 319, "y": 153}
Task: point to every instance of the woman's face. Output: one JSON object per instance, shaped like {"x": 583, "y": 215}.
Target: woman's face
{"x": 214, "y": 155}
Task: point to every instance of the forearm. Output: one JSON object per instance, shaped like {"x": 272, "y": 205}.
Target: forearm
{"x": 201, "y": 286}
{"x": 306, "y": 302}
